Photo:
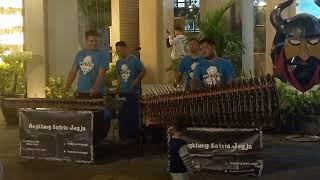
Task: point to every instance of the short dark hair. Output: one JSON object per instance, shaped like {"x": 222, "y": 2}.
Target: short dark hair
{"x": 193, "y": 39}
{"x": 178, "y": 28}
{"x": 208, "y": 41}
{"x": 121, "y": 44}
{"x": 179, "y": 123}
{"x": 92, "y": 33}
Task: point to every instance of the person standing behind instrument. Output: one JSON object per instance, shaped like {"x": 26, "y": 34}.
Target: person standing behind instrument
{"x": 189, "y": 63}
{"x": 92, "y": 64}
{"x": 130, "y": 72}
{"x": 214, "y": 70}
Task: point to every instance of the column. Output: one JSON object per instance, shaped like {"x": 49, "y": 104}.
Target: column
{"x": 63, "y": 41}
{"x": 154, "y": 17}
{"x": 247, "y": 9}
{"x": 125, "y": 23}
{"x": 35, "y": 41}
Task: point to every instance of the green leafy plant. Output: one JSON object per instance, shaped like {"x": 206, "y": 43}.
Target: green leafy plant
{"x": 214, "y": 25}
{"x": 97, "y": 12}
{"x": 295, "y": 104}
{"x": 55, "y": 88}
{"x": 12, "y": 72}
{"x": 111, "y": 77}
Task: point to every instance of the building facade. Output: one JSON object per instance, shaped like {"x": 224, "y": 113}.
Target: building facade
{"x": 51, "y": 33}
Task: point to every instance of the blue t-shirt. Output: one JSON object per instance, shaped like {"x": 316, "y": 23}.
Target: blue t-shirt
{"x": 213, "y": 72}
{"x": 187, "y": 66}
{"x": 128, "y": 69}
{"x": 89, "y": 63}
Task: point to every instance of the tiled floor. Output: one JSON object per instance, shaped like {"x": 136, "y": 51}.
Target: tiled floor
{"x": 282, "y": 160}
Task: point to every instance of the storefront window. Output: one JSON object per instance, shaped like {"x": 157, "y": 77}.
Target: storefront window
{"x": 11, "y": 27}
{"x": 189, "y": 11}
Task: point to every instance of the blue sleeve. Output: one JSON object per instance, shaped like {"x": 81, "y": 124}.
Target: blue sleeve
{"x": 230, "y": 72}
{"x": 182, "y": 66}
{"x": 139, "y": 65}
{"x": 118, "y": 68}
{"x": 197, "y": 72}
{"x": 76, "y": 62}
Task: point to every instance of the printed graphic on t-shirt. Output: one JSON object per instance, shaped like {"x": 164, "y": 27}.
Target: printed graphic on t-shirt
{"x": 193, "y": 67}
{"x": 125, "y": 73}
{"x": 86, "y": 65}
{"x": 212, "y": 77}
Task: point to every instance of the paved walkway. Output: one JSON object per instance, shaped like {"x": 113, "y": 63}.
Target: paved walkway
{"x": 282, "y": 160}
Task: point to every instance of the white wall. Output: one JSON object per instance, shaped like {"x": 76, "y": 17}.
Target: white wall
{"x": 155, "y": 17}
{"x": 63, "y": 36}
{"x": 35, "y": 41}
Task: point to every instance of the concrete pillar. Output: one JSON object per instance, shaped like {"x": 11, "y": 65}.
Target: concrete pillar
{"x": 270, "y": 31}
{"x": 154, "y": 17}
{"x": 35, "y": 41}
{"x": 247, "y": 9}
{"x": 63, "y": 36}
{"x": 125, "y": 23}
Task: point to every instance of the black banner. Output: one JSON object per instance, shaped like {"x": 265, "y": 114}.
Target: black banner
{"x": 56, "y": 135}
{"x": 226, "y": 150}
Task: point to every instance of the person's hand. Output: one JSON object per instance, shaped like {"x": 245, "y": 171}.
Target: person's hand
{"x": 170, "y": 130}
{"x": 175, "y": 84}
{"x": 135, "y": 83}
{"x": 167, "y": 31}
{"x": 93, "y": 92}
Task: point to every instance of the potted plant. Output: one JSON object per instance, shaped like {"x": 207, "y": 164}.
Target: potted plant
{"x": 12, "y": 81}
{"x": 55, "y": 88}
{"x": 214, "y": 25}
{"x": 300, "y": 112}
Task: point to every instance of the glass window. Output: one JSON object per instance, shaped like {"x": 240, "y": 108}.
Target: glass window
{"x": 189, "y": 10}
{"x": 181, "y": 5}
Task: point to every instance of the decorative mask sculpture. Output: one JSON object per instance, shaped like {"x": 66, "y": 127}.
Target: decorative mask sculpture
{"x": 296, "y": 48}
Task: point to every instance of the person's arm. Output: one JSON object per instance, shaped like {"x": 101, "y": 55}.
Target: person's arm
{"x": 141, "y": 74}
{"x": 103, "y": 67}
{"x": 138, "y": 78}
{"x": 98, "y": 82}
{"x": 72, "y": 73}
{"x": 232, "y": 73}
{"x": 186, "y": 158}
{"x": 229, "y": 72}
{"x": 71, "y": 77}
{"x": 196, "y": 82}
{"x": 170, "y": 37}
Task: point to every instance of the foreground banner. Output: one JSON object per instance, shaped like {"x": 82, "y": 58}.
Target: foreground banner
{"x": 226, "y": 150}
{"x": 56, "y": 135}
